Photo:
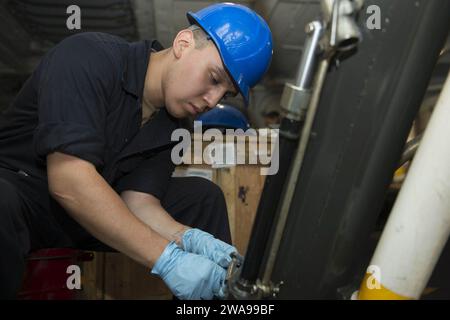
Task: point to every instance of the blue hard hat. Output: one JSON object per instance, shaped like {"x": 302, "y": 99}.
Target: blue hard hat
{"x": 243, "y": 40}
{"x": 223, "y": 116}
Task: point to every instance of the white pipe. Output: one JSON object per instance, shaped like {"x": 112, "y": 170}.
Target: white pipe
{"x": 419, "y": 224}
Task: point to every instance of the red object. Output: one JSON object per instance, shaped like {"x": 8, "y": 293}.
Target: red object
{"x": 46, "y": 274}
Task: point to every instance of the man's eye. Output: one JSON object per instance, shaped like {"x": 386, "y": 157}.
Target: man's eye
{"x": 229, "y": 94}
{"x": 214, "y": 80}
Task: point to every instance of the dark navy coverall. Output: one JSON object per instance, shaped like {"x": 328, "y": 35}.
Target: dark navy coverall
{"x": 84, "y": 99}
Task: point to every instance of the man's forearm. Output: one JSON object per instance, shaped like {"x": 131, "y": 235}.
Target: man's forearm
{"x": 99, "y": 209}
{"x": 150, "y": 211}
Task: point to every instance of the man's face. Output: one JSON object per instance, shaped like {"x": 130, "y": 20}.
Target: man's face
{"x": 196, "y": 81}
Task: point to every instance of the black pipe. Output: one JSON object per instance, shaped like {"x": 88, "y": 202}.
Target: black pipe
{"x": 288, "y": 141}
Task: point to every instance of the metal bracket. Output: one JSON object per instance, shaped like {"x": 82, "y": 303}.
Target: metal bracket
{"x": 243, "y": 290}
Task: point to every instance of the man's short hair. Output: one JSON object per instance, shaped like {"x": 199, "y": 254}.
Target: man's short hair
{"x": 200, "y": 37}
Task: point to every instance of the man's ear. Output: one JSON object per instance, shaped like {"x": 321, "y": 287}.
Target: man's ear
{"x": 183, "y": 41}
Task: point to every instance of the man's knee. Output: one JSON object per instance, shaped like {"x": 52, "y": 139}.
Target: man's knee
{"x": 11, "y": 216}
{"x": 208, "y": 189}
{"x": 9, "y": 196}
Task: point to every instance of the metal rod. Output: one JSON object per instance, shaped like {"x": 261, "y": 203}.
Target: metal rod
{"x": 334, "y": 24}
{"x": 410, "y": 150}
{"x": 306, "y": 70}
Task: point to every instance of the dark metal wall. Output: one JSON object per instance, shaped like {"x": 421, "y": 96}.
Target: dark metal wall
{"x": 46, "y": 19}
{"x": 366, "y": 111}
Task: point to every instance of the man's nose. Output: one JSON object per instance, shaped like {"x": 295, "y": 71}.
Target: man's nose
{"x": 213, "y": 97}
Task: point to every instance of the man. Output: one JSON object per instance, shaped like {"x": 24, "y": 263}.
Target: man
{"x": 85, "y": 149}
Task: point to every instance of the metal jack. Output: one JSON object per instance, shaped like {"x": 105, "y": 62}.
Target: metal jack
{"x": 337, "y": 33}
{"x": 340, "y": 36}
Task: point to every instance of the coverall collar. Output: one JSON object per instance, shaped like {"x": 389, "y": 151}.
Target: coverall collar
{"x": 133, "y": 77}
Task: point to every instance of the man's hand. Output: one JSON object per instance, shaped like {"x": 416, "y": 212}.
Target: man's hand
{"x": 149, "y": 210}
{"x": 189, "y": 276}
{"x": 203, "y": 243}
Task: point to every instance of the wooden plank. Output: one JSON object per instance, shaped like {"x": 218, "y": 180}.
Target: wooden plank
{"x": 225, "y": 179}
{"x": 249, "y": 186}
{"x": 92, "y": 278}
{"x": 126, "y": 279}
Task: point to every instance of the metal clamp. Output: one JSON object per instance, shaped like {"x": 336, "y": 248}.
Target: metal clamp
{"x": 343, "y": 32}
{"x": 243, "y": 290}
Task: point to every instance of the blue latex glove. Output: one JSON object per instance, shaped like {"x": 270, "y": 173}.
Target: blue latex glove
{"x": 203, "y": 243}
{"x": 190, "y": 276}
